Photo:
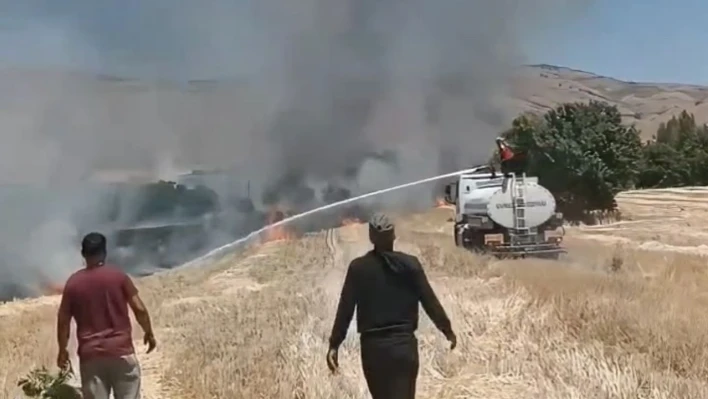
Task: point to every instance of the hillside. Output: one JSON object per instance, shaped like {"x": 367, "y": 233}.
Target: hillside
{"x": 77, "y": 106}
{"x": 538, "y": 88}
{"x": 623, "y": 315}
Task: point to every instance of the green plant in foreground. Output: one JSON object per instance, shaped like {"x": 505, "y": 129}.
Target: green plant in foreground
{"x": 42, "y": 384}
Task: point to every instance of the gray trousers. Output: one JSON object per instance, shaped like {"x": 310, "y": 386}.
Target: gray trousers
{"x": 121, "y": 375}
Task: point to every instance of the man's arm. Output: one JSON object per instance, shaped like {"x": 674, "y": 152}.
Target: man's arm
{"x": 430, "y": 301}
{"x": 137, "y": 306}
{"x": 345, "y": 310}
{"x": 64, "y": 316}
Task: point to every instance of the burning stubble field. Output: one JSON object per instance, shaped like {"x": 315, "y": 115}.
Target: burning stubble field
{"x": 616, "y": 318}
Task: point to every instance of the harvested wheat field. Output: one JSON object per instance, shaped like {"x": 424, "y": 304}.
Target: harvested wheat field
{"x": 616, "y": 318}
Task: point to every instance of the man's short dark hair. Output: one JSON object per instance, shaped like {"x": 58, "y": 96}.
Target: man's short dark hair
{"x": 93, "y": 244}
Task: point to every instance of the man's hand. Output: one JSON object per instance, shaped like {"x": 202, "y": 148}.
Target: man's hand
{"x": 63, "y": 359}
{"x": 333, "y": 360}
{"x": 149, "y": 340}
{"x": 452, "y": 338}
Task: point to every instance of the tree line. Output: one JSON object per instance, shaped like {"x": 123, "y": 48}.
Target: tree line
{"x": 585, "y": 155}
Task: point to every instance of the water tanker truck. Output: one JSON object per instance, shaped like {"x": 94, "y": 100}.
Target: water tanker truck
{"x": 506, "y": 214}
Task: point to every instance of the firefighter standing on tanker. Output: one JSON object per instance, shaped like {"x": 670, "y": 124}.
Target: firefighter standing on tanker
{"x": 506, "y": 155}
{"x": 511, "y": 161}
{"x": 385, "y": 287}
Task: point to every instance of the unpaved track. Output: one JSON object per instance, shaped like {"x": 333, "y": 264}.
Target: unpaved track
{"x": 342, "y": 245}
{"x": 345, "y": 244}
{"x": 155, "y": 383}
{"x": 152, "y": 367}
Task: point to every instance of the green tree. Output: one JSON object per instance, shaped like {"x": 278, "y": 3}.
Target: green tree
{"x": 679, "y": 156}
{"x": 663, "y": 166}
{"x": 664, "y": 135}
{"x": 42, "y": 384}
{"x": 676, "y": 129}
{"x": 582, "y": 153}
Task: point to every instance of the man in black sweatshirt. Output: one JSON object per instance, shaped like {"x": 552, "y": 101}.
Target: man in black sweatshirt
{"x": 385, "y": 287}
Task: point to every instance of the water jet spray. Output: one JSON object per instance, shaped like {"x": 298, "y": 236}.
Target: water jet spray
{"x": 221, "y": 250}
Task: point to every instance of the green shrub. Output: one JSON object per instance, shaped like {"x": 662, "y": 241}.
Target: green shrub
{"x": 42, "y": 384}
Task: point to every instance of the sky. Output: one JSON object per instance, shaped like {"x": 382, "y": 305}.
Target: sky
{"x": 639, "y": 40}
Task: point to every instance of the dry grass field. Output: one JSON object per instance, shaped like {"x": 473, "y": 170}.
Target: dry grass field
{"x": 617, "y": 318}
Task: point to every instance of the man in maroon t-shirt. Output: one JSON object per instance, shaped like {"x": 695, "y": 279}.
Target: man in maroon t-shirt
{"x": 97, "y": 298}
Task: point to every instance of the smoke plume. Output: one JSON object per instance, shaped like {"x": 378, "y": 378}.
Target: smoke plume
{"x": 287, "y": 95}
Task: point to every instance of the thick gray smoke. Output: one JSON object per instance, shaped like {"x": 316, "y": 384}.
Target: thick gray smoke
{"x": 288, "y": 95}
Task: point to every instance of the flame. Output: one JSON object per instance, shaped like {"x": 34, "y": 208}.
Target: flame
{"x": 350, "y": 221}
{"x": 440, "y": 203}
{"x": 277, "y": 233}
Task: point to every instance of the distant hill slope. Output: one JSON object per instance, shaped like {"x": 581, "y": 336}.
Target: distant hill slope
{"x": 537, "y": 88}
{"x": 76, "y": 102}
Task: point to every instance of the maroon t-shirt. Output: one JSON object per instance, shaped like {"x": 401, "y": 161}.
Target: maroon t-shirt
{"x": 97, "y": 299}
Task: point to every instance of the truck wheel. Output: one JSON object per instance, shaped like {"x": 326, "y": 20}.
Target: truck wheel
{"x": 456, "y": 235}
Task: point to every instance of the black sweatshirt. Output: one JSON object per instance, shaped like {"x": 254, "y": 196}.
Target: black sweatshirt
{"x": 386, "y": 289}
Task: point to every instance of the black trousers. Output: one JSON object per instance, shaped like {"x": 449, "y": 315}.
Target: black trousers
{"x": 516, "y": 165}
{"x": 390, "y": 364}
